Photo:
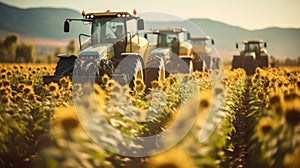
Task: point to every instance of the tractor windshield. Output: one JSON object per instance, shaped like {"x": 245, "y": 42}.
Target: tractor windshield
{"x": 167, "y": 40}
{"x": 252, "y": 47}
{"x": 108, "y": 30}
{"x": 201, "y": 41}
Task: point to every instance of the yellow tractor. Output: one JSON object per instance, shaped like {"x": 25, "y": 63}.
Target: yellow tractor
{"x": 173, "y": 46}
{"x": 203, "y": 55}
{"x": 252, "y": 56}
{"x": 113, "y": 47}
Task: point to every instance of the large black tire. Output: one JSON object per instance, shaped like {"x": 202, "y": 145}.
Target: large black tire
{"x": 216, "y": 63}
{"x": 249, "y": 65}
{"x": 198, "y": 65}
{"x": 155, "y": 70}
{"x": 65, "y": 66}
{"x": 236, "y": 62}
{"x": 177, "y": 64}
{"x": 132, "y": 67}
{"x": 264, "y": 61}
{"x": 208, "y": 61}
{"x": 189, "y": 64}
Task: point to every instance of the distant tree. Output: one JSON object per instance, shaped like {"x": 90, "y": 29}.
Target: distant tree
{"x": 71, "y": 47}
{"x": 288, "y": 62}
{"x": 8, "y": 48}
{"x": 24, "y": 53}
{"x": 58, "y": 50}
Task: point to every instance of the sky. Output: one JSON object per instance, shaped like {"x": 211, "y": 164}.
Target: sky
{"x": 251, "y": 14}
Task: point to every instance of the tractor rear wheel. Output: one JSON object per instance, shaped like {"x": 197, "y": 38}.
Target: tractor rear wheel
{"x": 132, "y": 67}
{"x": 249, "y": 65}
{"x": 198, "y": 65}
{"x": 236, "y": 62}
{"x": 155, "y": 70}
{"x": 264, "y": 61}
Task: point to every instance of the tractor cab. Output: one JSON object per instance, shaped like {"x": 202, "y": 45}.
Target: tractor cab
{"x": 112, "y": 39}
{"x": 254, "y": 48}
{"x": 252, "y": 56}
{"x": 115, "y": 28}
{"x": 175, "y": 39}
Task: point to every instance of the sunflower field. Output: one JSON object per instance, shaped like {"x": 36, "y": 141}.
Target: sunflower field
{"x": 239, "y": 120}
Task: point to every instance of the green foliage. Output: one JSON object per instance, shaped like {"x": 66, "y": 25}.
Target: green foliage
{"x": 11, "y": 52}
{"x": 24, "y": 53}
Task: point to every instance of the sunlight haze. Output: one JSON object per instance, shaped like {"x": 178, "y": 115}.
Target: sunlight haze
{"x": 254, "y": 14}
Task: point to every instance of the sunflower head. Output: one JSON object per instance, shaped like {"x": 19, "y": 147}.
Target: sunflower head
{"x": 105, "y": 78}
{"x": 64, "y": 82}
{"x": 173, "y": 158}
{"x": 139, "y": 85}
{"x": 274, "y": 100}
{"x": 67, "y": 120}
{"x": 292, "y": 160}
{"x": 292, "y": 116}
{"x": 53, "y": 87}
{"x": 27, "y": 90}
{"x": 265, "y": 127}
{"x": 4, "y": 99}
{"x": 155, "y": 85}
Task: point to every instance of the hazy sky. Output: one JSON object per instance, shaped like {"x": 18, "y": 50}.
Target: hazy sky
{"x": 251, "y": 14}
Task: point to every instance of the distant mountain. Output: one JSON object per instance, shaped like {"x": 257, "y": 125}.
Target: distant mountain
{"x": 38, "y": 22}
{"x": 282, "y": 42}
{"x": 48, "y": 23}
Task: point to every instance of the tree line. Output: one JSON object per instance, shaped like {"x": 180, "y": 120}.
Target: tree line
{"x": 11, "y": 51}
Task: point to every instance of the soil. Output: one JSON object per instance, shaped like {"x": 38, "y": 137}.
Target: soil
{"x": 240, "y": 138}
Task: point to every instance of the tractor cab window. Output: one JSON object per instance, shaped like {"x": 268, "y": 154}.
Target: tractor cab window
{"x": 107, "y": 30}
{"x": 201, "y": 42}
{"x": 131, "y": 27}
{"x": 167, "y": 40}
{"x": 252, "y": 47}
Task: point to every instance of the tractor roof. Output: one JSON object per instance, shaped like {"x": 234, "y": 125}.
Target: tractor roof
{"x": 110, "y": 14}
{"x": 201, "y": 38}
{"x": 169, "y": 30}
{"x": 253, "y": 41}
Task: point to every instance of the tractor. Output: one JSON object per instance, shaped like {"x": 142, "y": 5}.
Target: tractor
{"x": 173, "y": 46}
{"x": 254, "y": 55}
{"x": 113, "y": 47}
{"x": 202, "y": 50}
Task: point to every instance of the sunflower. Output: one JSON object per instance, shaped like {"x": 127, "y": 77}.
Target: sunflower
{"x": 105, "y": 79}
{"x": 67, "y": 120}
{"x": 139, "y": 85}
{"x": 205, "y": 100}
{"x": 292, "y": 116}
{"x": 27, "y": 89}
{"x": 292, "y": 111}
{"x": 155, "y": 85}
{"x": 173, "y": 158}
{"x": 292, "y": 160}
{"x": 53, "y": 87}
{"x": 264, "y": 127}
{"x": 64, "y": 82}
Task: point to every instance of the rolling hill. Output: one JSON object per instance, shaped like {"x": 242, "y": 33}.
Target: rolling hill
{"x": 47, "y": 23}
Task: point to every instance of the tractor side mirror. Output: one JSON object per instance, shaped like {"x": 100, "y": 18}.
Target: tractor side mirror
{"x": 212, "y": 41}
{"x": 236, "y": 45}
{"x": 66, "y": 26}
{"x": 146, "y": 36}
{"x": 140, "y": 24}
{"x": 265, "y": 45}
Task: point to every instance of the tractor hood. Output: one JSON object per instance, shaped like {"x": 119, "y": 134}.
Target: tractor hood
{"x": 161, "y": 51}
{"x": 102, "y": 50}
{"x": 250, "y": 54}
